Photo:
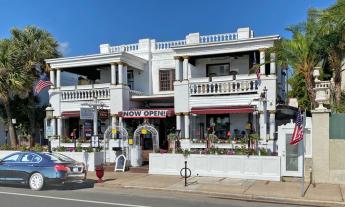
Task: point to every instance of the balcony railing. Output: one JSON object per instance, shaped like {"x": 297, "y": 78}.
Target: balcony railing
{"x": 167, "y": 45}
{"x": 218, "y": 37}
{"x": 85, "y": 92}
{"x": 223, "y": 87}
{"x": 124, "y": 48}
{"x": 136, "y": 93}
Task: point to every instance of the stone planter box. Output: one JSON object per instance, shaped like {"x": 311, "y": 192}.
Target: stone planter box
{"x": 232, "y": 166}
{"x": 90, "y": 159}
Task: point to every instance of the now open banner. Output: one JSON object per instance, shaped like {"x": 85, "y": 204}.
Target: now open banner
{"x": 145, "y": 114}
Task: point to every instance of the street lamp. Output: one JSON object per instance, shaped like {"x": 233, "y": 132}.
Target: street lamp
{"x": 49, "y": 117}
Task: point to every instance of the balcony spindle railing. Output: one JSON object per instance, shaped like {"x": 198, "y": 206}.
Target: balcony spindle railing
{"x": 85, "y": 94}
{"x": 223, "y": 87}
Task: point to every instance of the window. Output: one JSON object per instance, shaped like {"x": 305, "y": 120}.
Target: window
{"x": 166, "y": 79}
{"x": 31, "y": 158}
{"x": 12, "y": 158}
{"x": 130, "y": 79}
{"x": 218, "y": 70}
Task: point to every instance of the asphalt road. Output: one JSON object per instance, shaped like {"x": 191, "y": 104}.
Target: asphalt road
{"x": 89, "y": 196}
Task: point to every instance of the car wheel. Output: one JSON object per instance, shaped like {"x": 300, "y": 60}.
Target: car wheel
{"x": 36, "y": 181}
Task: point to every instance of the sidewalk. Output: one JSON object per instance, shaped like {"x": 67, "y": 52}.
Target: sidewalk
{"x": 265, "y": 191}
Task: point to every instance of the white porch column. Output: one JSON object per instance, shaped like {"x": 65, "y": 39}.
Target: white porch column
{"x": 272, "y": 124}
{"x": 59, "y": 127}
{"x": 185, "y": 67}
{"x": 273, "y": 63}
{"x": 178, "y": 122}
{"x": 113, "y": 74}
{"x": 120, "y": 121}
{"x": 177, "y": 68}
{"x": 124, "y": 74}
{"x": 58, "y": 78}
{"x": 262, "y": 61}
{"x": 52, "y": 77}
{"x": 263, "y": 127}
{"x": 120, "y": 72}
{"x": 186, "y": 125}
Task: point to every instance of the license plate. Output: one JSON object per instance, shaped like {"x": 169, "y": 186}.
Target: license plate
{"x": 75, "y": 169}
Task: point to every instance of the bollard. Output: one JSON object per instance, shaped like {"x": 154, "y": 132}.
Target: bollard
{"x": 185, "y": 175}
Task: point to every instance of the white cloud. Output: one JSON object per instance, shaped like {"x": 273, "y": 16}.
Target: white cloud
{"x": 64, "y": 48}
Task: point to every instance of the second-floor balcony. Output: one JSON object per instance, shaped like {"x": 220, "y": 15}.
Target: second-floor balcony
{"x": 89, "y": 92}
{"x": 225, "y": 85}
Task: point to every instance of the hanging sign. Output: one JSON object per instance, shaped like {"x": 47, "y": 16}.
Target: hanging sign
{"x": 103, "y": 114}
{"x": 88, "y": 129}
{"x": 86, "y": 113}
{"x": 145, "y": 114}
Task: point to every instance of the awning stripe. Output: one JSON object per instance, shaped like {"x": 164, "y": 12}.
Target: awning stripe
{"x": 230, "y": 110}
{"x": 70, "y": 114}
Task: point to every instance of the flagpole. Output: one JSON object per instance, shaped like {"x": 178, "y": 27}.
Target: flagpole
{"x": 303, "y": 150}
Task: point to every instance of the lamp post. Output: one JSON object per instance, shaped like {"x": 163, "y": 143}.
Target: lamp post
{"x": 49, "y": 117}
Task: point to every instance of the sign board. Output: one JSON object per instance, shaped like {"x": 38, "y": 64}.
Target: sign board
{"x": 88, "y": 129}
{"x": 103, "y": 114}
{"x": 94, "y": 141}
{"x": 86, "y": 113}
{"x": 49, "y": 131}
{"x": 120, "y": 163}
{"x": 145, "y": 114}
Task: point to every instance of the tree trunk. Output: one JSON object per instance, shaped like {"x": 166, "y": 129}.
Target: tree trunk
{"x": 32, "y": 120}
{"x": 11, "y": 130}
{"x": 310, "y": 87}
{"x": 335, "y": 62}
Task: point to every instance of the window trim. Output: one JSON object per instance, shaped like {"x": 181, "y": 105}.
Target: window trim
{"x": 171, "y": 79}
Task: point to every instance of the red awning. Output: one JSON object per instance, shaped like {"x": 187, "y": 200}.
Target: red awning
{"x": 223, "y": 110}
{"x": 70, "y": 114}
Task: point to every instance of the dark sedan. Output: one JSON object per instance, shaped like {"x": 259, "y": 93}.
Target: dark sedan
{"x": 38, "y": 169}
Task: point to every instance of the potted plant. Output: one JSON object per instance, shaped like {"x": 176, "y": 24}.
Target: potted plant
{"x": 172, "y": 137}
{"x": 100, "y": 173}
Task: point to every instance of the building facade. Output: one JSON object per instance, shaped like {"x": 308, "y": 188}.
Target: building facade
{"x": 196, "y": 86}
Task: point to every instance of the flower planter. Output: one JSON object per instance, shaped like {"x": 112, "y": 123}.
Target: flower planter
{"x": 100, "y": 173}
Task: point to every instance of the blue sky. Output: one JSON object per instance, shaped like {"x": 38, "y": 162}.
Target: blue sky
{"x": 81, "y": 25}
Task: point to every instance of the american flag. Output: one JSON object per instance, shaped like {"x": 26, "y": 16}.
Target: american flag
{"x": 41, "y": 84}
{"x": 297, "y": 135}
{"x": 257, "y": 67}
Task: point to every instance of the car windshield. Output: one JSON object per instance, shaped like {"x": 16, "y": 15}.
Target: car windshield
{"x": 59, "y": 158}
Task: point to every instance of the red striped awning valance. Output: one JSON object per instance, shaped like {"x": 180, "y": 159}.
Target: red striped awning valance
{"x": 70, "y": 114}
{"x": 223, "y": 110}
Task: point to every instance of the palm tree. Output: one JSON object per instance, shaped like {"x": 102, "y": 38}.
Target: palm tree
{"x": 13, "y": 81}
{"x": 333, "y": 40}
{"x": 301, "y": 52}
{"x": 32, "y": 46}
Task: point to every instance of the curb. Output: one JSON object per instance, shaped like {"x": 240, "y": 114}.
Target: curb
{"x": 242, "y": 197}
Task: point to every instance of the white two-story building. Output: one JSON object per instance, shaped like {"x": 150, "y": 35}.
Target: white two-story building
{"x": 195, "y": 86}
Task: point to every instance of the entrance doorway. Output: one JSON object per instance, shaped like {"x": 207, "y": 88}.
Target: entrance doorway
{"x": 146, "y": 139}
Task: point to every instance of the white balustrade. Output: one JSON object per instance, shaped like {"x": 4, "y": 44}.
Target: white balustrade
{"x": 167, "y": 45}
{"x": 224, "y": 87}
{"x": 124, "y": 48}
{"x": 85, "y": 94}
{"x": 218, "y": 37}
{"x": 136, "y": 93}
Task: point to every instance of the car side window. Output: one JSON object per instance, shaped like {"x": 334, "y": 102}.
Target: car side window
{"x": 12, "y": 158}
{"x": 30, "y": 158}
